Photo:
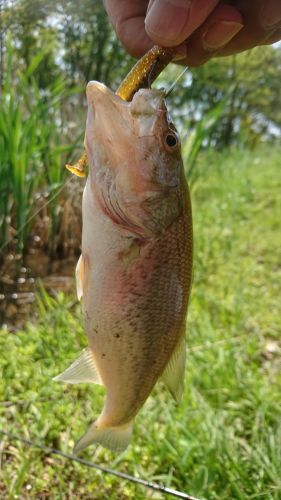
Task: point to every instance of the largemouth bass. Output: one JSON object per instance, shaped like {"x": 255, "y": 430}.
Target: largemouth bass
{"x": 134, "y": 274}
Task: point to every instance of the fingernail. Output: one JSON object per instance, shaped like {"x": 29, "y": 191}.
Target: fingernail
{"x": 180, "y": 52}
{"x": 219, "y": 34}
{"x": 270, "y": 14}
{"x": 274, "y": 37}
{"x": 166, "y": 20}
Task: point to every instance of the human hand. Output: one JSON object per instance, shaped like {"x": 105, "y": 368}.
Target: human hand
{"x": 200, "y": 28}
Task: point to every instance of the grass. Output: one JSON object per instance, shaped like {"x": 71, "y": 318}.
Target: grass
{"x": 32, "y": 131}
{"x": 224, "y": 440}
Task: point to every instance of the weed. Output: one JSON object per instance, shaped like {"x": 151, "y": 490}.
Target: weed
{"x": 223, "y": 440}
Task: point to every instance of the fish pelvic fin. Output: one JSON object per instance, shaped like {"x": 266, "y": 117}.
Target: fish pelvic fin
{"x": 173, "y": 375}
{"x": 82, "y": 275}
{"x": 81, "y": 371}
{"x": 114, "y": 438}
{"x": 79, "y": 277}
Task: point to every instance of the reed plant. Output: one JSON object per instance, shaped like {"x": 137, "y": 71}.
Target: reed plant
{"x": 32, "y": 153}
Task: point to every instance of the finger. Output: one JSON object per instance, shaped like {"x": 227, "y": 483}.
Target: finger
{"x": 127, "y": 18}
{"x": 170, "y": 22}
{"x": 274, "y": 37}
{"x": 262, "y": 25}
{"x": 220, "y": 27}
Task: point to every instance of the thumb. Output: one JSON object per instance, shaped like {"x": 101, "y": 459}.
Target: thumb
{"x": 170, "y": 22}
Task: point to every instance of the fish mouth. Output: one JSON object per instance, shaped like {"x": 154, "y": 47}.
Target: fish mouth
{"x": 118, "y": 126}
{"x": 107, "y": 126}
{"x": 108, "y": 111}
{"x": 104, "y": 104}
{"x": 97, "y": 91}
{"x": 144, "y": 101}
{"x": 147, "y": 109}
{"x": 148, "y": 102}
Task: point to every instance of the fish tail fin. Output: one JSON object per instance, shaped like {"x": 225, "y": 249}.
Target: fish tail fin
{"x": 114, "y": 438}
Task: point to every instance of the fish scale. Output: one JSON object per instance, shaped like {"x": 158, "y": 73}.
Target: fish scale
{"x": 134, "y": 275}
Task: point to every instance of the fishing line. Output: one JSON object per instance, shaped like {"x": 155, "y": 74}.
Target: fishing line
{"x": 36, "y": 213}
{"x": 106, "y": 470}
{"x": 175, "y": 82}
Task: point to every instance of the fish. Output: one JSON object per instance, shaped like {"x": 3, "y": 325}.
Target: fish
{"x": 135, "y": 270}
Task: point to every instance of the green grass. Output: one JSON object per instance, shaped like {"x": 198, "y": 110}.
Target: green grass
{"x": 224, "y": 440}
{"x": 32, "y": 155}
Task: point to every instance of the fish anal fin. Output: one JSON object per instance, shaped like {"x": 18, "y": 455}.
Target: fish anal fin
{"x": 114, "y": 438}
{"x": 173, "y": 375}
{"x": 83, "y": 370}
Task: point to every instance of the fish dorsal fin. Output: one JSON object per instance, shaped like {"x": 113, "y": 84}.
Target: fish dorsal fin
{"x": 173, "y": 375}
{"x": 114, "y": 438}
{"x": 82, "y": 370}
{"x": 79, "y": 277}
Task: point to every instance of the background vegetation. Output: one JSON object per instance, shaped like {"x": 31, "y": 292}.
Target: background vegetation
{"x": 51, "y": 49}
{"x": 224, "y": 440}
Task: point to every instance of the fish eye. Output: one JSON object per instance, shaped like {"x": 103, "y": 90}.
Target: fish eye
{"x": 171, "y": 141}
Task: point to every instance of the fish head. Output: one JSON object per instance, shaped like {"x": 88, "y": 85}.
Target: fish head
{"x": 134, "y": 157}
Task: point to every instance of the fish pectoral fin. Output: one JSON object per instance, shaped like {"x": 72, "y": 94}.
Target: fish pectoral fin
{"x": 114, "y": 438}
{"x": 81, "y": 371}
{"x": 173, "y": 375}
{"x": 79, "y": 277}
